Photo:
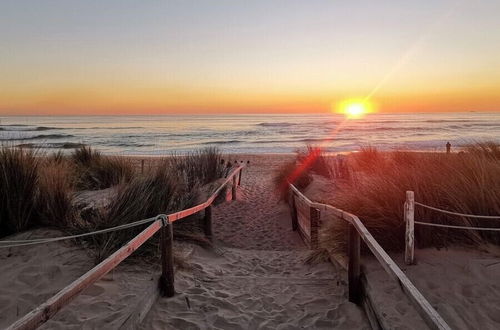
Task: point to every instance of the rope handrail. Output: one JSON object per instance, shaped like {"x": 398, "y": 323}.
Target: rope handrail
{"x": 456, "y": 227}
{"x": 459, "y": 214}
{"x": 171, "y": 217}
{"x": 16, "y": 243}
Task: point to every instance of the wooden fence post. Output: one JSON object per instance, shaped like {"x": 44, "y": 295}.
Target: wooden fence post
{"x": 207, "y": 222}
{"x": 142, "y": 166}
{"x": 239, "y": 177}
{"x": 353, "y": 270}
{"x": 409, "y": 218}
{"x": 314, "y": 215}
{"x": 167, "y": 259}
{"x": 295, "y": 220}
{"x": 233, "y": 189}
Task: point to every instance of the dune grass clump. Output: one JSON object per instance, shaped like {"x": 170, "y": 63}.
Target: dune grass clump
{"x": 200, "y": 167}
{"x": 368, "y": 159}
{"x": 170, "y": 187}
{"x": 18, "y": 189}
{"x": 314, "y": 160}
{"x": 290, "y": 172}
{"x": 143, "y": 197}
{"x": 298, "y": 172}
{"x": 95, "y": 171}
{"x": 488, "y": 149}
{"x": 465, "y": 183}
{"x": 56, "y": 188}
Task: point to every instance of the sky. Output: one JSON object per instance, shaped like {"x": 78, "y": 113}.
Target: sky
{"x": 230, "y": 56}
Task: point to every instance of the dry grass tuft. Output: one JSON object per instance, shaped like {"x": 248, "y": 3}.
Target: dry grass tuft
{"x": 171, "y": 187}
{"x": 298, "y": 172}
{"x": 466, "y": 183}
{"x": 488, "y": 149}
{"x": 18, "y": 189}
{"x": 94, "y": 171}
{"x": 56, "y": 189}
{"x": 314, "y": 160}
{"x": 143, "y": 197}
{"x": 199, "y": 167}
{"x": 290, "y": 172}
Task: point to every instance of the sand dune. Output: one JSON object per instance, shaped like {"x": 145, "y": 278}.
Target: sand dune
{"x": 255, "y": 278}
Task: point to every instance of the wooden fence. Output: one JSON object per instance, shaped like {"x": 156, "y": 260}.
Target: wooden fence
{"x": 305, "y": 217}
{"x": 164, "y": 224}
{"x": 357, "y": 232}
{"x": 409, "y": 218}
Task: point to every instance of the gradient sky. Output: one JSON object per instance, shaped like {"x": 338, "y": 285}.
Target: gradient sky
{"x": 201, "y": 56}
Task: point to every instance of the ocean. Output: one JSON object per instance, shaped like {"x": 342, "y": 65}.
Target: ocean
{"x": 160, "y": 135}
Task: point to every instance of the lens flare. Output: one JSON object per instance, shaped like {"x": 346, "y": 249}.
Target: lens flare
{"x": 355, "y": 108}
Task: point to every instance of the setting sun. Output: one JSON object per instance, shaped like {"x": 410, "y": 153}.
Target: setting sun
{"x": 355, "y": 108}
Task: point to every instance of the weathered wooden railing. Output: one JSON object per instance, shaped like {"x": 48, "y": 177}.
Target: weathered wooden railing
{"x": 356, "y": 232}
{"x": 164, "y": 224}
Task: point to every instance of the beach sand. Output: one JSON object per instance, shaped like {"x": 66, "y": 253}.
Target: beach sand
{"x": 254, "y": 278}
{"x": 462, "y": 285}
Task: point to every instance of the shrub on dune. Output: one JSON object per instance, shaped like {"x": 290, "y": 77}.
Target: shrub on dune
{"x": 95, "y": 171}
{"x": 18, "y": 189}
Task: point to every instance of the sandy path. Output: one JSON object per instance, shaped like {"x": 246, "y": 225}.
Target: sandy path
{"x": 257, "y": 219}
{"x": 256, "y": 277}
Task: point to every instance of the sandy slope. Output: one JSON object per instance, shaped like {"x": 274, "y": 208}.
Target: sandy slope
{"x": 256, "y": 278}
{"x": 463, "y": 285}
{"x": 30, "y": 275}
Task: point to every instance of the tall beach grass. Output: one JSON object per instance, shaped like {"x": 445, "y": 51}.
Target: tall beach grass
{"x": 467, "y": 182}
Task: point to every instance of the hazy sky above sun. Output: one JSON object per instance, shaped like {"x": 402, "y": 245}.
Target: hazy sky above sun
{"x": 219, "y": 56}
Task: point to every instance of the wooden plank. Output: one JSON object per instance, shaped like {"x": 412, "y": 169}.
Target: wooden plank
{"x": 300, "y": 195}
{"x": 324, "y": 207}
{"x": 143, "y": 307}
{"x": 228, "y": 179}
{"x": 314, "y": 219}
{"x": 45, "y": 311}
{"x": 368, "y": 305}
{"x": 353, "y": 271}
{"x": 207, "y": 222}
{"x": 303, "y": 222}
{"x": 233, "y": 189}
{"x": 409, "y": 218}
{"x": 423, "y": 307}
{"x": 167, "y": 260}
{"x": 293, "y": 211}
{"x": 187, "y": 212}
